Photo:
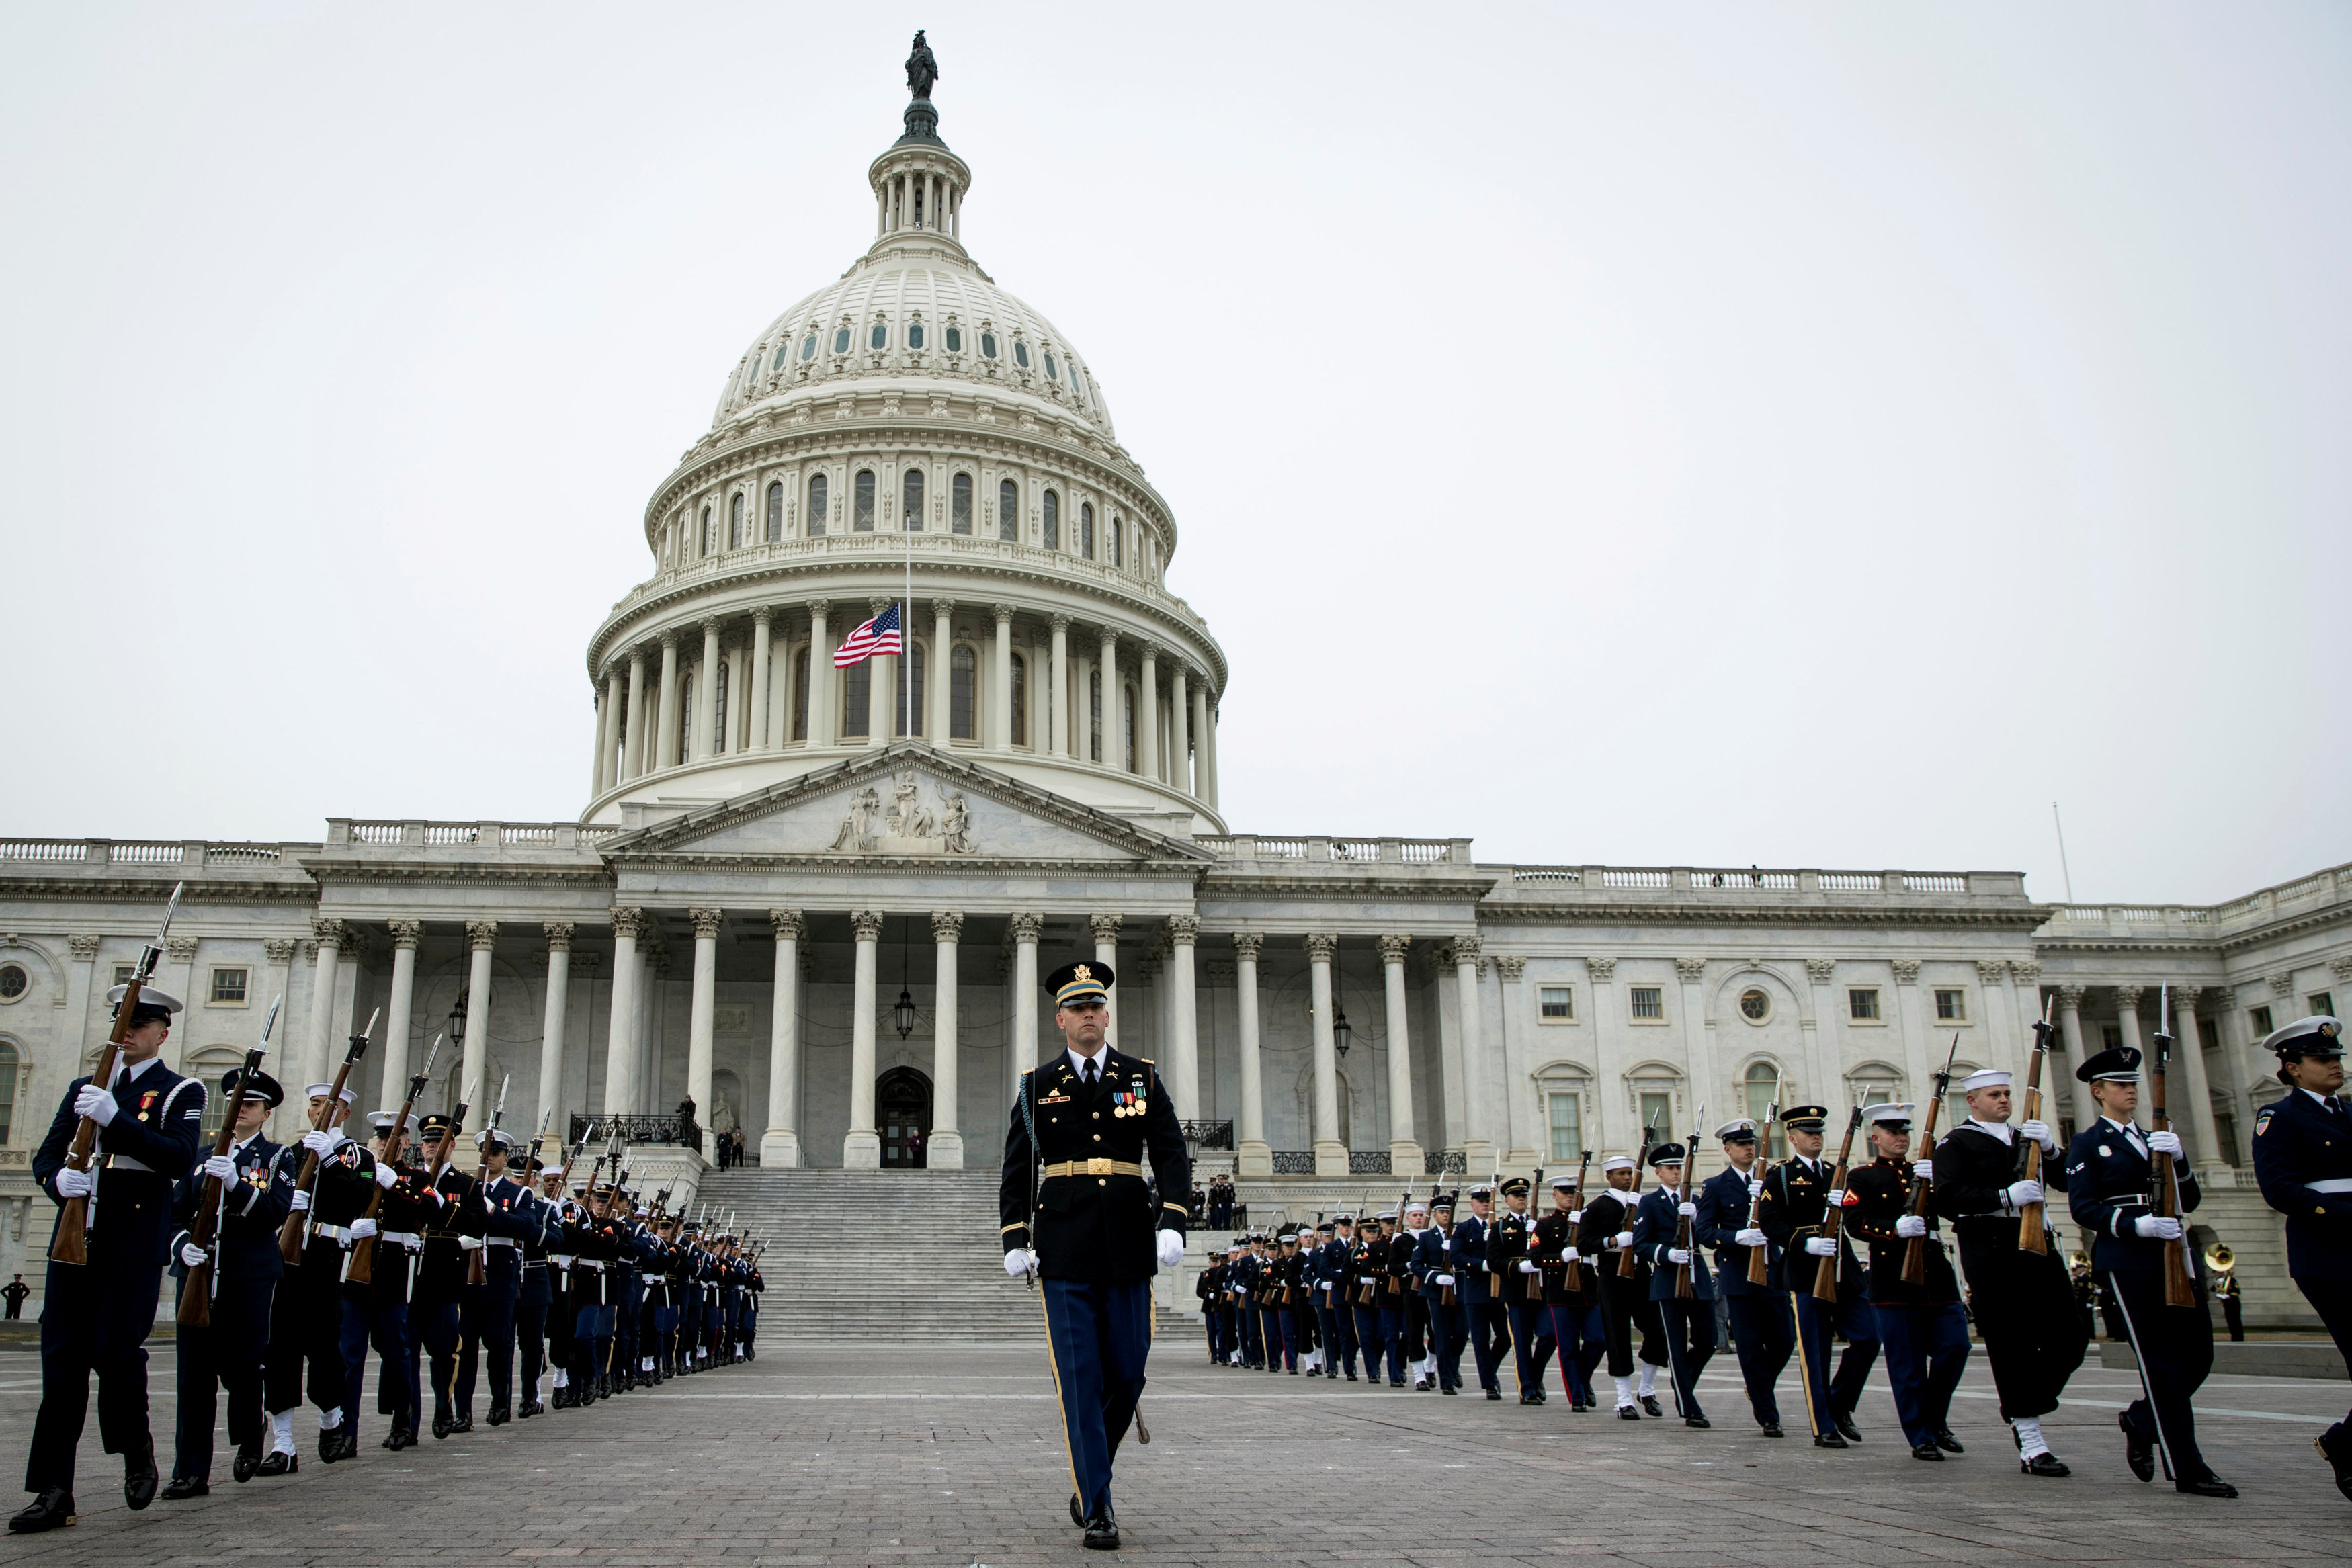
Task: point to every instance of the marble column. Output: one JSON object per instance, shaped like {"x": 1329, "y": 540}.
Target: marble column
{"x": 1331, "y": 1154}
{"x": 780, "y": 1146}
{"x": 2127, "y": 1020}
{"x": 2188, "y": 1049}
{"x": 1025, "y": 927}
{"x": 1405, "y": 1149}
{"x": 821, "y": 726}
{"x": 1477, "y": 1141}
{"x": 310, "y": 1066}
{"x": 621, "y": 1034}
{"x": 862, "y": 1148}
{"x": 633, "y": 763}
{"x": 1252, "y": 1157}
{"x": 1113, "y": 740}
{"x": 608, "y": 723}
{"x": 1911, "y": 1017}
{"x": 1615, "y": 1095}
{"x": 399, "y": 1020}
{"x": 1058, "y": 714}
{"x": 482, "y": 936}
{"x": 550, "y": 1042}
{"x": 1184, "y": 1016}
{"x": 1206, "y": 739}
{"x": 706, "y": 696}
{"x": 1106, "y": 929}
{"x": 1510, "y": 973}
{"x": 1000, "y": 684}
{"x": 946, "y": 1151}
{"x": 703, "y": 1013}
{"x": 1824, "y": 1055}
{"x": 939, "y": 681}
{"x": 1147, "y": 713}
{"x": 665, "y": 718}
{"x": 2070, "y": 1034}
{"x": 763, "y": 643}
{"x": 1179, "y": 716}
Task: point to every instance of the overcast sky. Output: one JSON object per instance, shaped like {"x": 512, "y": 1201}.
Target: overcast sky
{"x": 1797, "y": 434}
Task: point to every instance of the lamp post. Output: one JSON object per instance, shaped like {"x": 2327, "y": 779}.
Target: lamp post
{"x": 1341, "y": 1035}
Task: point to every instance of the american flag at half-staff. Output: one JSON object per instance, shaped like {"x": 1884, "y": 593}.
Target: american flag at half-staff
{"x": 879, "y": 635}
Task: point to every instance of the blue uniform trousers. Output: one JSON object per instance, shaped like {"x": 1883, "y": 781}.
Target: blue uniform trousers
{"x": 1393, "y": 1327}
{"x": 1828, "y": 1396}
{"x": 1689, "y": 1330}
{"x": 1449, "y": 1330}
{"x": 2175, "y": 1351}
{"x": 94, "y": 1318}
{"x": 1763, "y": 1334}
{"x": 1490, "y": 1336}
{"x": 488, "y": 1333}
{"x": 396, "y": 1392}
{"x": 1581, "y": 1340}
{"x": 1370, "y": 1338}
{"x": 1532, "y": 1334}
{"x": 1279, "y": 1335}
{"x": 1101, "y": 1336}
{"x": 226, "y": 1354}
{"x": 1926, "y": 1348}
{"x": 435, "y": 1330}
{"x": 1339, "y": 1337}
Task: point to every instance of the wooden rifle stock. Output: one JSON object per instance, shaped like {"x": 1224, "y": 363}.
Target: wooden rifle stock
{"x": 2032, "y": 1230}
{"x": 1914, "y": 1255}
{"x": 359, "y": 1268}
{"x": 1626, "y": 1262}
{"x": 2180, "y": 1284}
{"x": 72, "y": 1244}
{"x": 1684, "y": 1289}
{"x": 289, "y": 1235}
{"x": 477, "y": 1264}
{"x": 197, "y": 1290}
{"x": 1760, "y": 1259}
{"x": 1825, "y": 1277}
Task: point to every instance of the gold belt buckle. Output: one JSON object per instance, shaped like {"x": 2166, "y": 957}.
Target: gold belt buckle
{"x": 1099, "y": 1167}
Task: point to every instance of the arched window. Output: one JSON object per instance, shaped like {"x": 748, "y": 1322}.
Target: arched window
{"x": 735, "y": 521}
{"x": 775, "y": 511}
{"x": 784, "y": 352}
{"x": 718, "y": 707}
{"x": 911, "y": 500}
{"x": 1008, "y": 511}
{"x": 1116, "y": 558}
{"x": 856, "y": 697}
{"x": 817, "y": 514}
{"x": 912, "y": 676}
{"x": 841, "y": 341}
{"x": 963, "y": 680}
{"x": 1758, "y": 1085}
{"x": 1020, "y": 700}
{"x": 800, "y": 694}
{"x": 1085, "y": 531}
{"x": 9, "y": 1063}
{"x": 1053, "y": 521}
{"x": 959, "y": 504}
{"x": 709, "y": 533}
{"x": 1127, "y": 717}
{"x": 862, "y": 518}
{"x": 686, "y": 718}
{"x": 1094, "y": 717}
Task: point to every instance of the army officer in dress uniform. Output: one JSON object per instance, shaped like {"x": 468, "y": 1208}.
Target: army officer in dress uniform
{"x": 1923, "y": 1327}
{"x": 1078, "y": 1217}
{"x": 2302, "y": 1157}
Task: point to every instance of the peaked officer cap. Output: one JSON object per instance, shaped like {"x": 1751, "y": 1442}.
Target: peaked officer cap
{"x": 498, "y": 1138}
{"x": 265, "y": 1088}
{"x": 1806, "y": 1118}
{"x": 154, "y": 1006}
{"x": 1568, "y": 1183}
{"x": 1739, "y": 1130}
{"x": 1517, "y": 1187}
{"x": 383, "y": 1121}
{"x": 2119, "y": 1064}
{"x": 1443, "y": 1200}
{"x": 1892, "y": 1114}
{"x": 2318, "y": 1035}
{"x": 1666, "y": 1154}
{"x": 1087, "y": 981}
{"x": 433, "y": 1127}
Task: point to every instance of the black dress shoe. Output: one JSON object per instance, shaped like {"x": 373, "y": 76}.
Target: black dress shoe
{"x": 2206, "y": 1485}
{"x": 1351, "y": 1377}
{"x": 2138, "y": 1452}
{"x": 2335, "y": 1446}
{"x": 2044, "y": 1463}
{"x": 500, "y": 1415}
{"x": 1944, "y": 1439}
{"x": 247, "y": 1460}
{"x": 1076, "y": 1518}
{"x": 1449, "y": 1388}
{"x": 138, "y": 1479}
{"x": 1828, "y": 1440}
{"x": 1102, "y": 1530}
{"x": 273, "y": 1463}
{"x": 1494, "y": 1393}
{"x": 409, "y": 1437}
{"x": 441, "y": 1424}
{"x": 1846, "y": 1428}
{"x": 1650, "y": 1405}
{"x": 330, "y": 1445}
{"x": 1927, "y": 1451}
{"x": 462, "y": 1423}
{"x": 1528, "y": 1397}
{"x": 182, "y": 1487}
{"x": 1696, "y": 1420}
{"x": 52, "y": 1510}
{"x": 1627, "y": 1413}
{"x": 1772, "y": 1429}
{"x": 529, "y": 1408}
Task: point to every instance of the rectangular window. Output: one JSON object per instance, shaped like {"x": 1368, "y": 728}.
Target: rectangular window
{"x": 123, "y": 973}
{"x": 1649, "y": 1003}
{"x": 1952, "y": 1006}
{"x": 1566, "y": 1129}
{"x": 1557, "y": 1004}
{"x": 228, "y": 985}
{"x": 959, "y": 504}
{"x": 856, "y": 698}
{"x": 2323, "y": 1003}
{"x": 801, "y": 694}
{"x": 1020, "y": 700}
{"x": 2209, "y": 1034}
{"x": 2111, "y": 1035}
{"x": 1862, "y": 1004}
{"x": 1657, "y": 1115}
{"x": 964, "y": 675}
{"x": 2260, "y": 1018}
{"x": 862, "y": 518}
{"x": 2225, "y": 1130}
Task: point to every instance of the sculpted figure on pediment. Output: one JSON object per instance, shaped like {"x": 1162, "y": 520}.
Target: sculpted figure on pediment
{"x": 907, "y": 826}
{"x": 955, "y": 825}
{"x": 857, "y": 833}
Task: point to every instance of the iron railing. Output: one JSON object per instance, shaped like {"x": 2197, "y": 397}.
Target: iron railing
{"x": 628, "y": 1129}
{"x": 1208, "y": 1134}
{"x": 1444, "y": 1162}
{"x": 1294, "y": 1162}
{"x": 1367, "y": 1162}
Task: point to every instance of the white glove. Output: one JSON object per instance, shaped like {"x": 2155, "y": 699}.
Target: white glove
{"x": 1756, "y": 1189}
{"x": 1527, "y": 1265}
{"x": 2159, "y": 1227}
{"x": 320, "y": 1142}
{"x": 72, "y": 1183}
{"x": 2164, "y": 1144}
{"x": 1750, "y": 1237}
{"x": 1019, "y": 1262}
{"x": 192, "y": 1255}
{"x": 1575, "y": 1216}
{"x": 1621, "y": 1240}
{"x": 1570, "y": 1256}
{"x": 2021, "y": 1193}
{"x": 1678, "y": 1255}
{"x": 221, "y": 1167}
{"x": 1923, "y": 1169}
{"x": 1445, "y": 1278}
{"x": 301, "y": 1201}
{"x": 1836, "y": 1197}
{"x": 2039, "y": 1133}
{"x": 1171, "y": 1248}
{"x": 362, "y": 1228}
{"x": 95, "y": 1103}
{"x": 386, "y": 1177}
{"x": 1821, "y": 1246}
{"x": 1687, "y": 1210}
{"x": 1911, "y": 1225}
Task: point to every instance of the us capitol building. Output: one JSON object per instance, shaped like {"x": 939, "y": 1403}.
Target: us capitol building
{"x": 815, "y": 900}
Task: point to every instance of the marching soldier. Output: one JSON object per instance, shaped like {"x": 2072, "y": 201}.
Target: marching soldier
{"x": 1402, "y": 1302}
{"x": 1529, "y": 1325}
{"x": 1368, "y": 1282}
{"x": 1279, "y": 1282}
{"x": 1687, "y": 1324}
{"x": 2110, "y": 1170}
{"x": 305, "y": 1354}
{"x": 1761, "y": 1332}
{"x": 376, "y": 1310}
{"x": 2024, "y": 1303}
{"x": 95, "y": 1315}
{"x": 535, "y": 1297}
{"x": 508, "y": 1216}
{"x": 1079, "y": 1219}
{"x": 2302, "y": 1159}
{"x": 435, "y": 1306}
{"x": 1606, "y": 1235}
{"x": 255, "y": 1188}
{"x": 1337, "y": 1324}
{"x": 1490, "y": 1328}
{"x": 1437, "y": 1276}
{"x": 1798, "y": 1196}
{"x": 1924, "y": 1328}
{"x": 1570, "y": 1311}
{"x": 1208, "y": 1288}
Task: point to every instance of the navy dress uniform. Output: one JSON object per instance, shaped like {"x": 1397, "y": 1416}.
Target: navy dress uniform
{"x": 1688, "y": 1326}
{"x": 1625, "y": 1303}
{"x": 2302, "y": 1159}
{"x": 1482, "y": 1301}
{"x": 226, "y": 1352}
{"x": 306, "y": 1316}
{"x": 1074, "y": 1198}
{"x": 1332, "y": 1278}
{"x": 95, "y": 1316}
{"x": 1438, "y": 1275}
{"x": 1571, "y": 1293}
{"x": 508, "y": 1216}
{"x": 2110, "y": 1173}
{"x": 374, "y": 1311}
{"x": 1793, "y": 1217}
{"x": 1924, "y": 1327}
{"x": 436, "y": 1304}
{"x": 1529, "y": 1326}
{"x": 1761, "y": 1332}
{"x": 1367, "y": 1276}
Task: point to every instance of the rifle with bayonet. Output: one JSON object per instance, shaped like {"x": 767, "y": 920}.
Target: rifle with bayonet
{"x": 289, "y": 1235}
{"x": 197, "y": 1290}
{"x": 1627, "y": 1264}
{"x": 1760, "y": 1259}
{"x": 71, "y": 1243}
{"x": 359, "y": 1262}
{"x": 2180, "y": 1284}
{"x": 1684, "y": 1289}
{"x": 1825, "y": 1277}
{"x": 477, "y": 1270}
{"x": 2033, "y": 1231}
{"x": 1914, "y": 1256}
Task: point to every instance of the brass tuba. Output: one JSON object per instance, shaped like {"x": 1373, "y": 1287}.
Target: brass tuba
{"x": 2220, "y": 1260}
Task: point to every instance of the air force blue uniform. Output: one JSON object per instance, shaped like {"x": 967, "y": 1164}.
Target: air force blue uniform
{"x": 228, "y": 1352}
{"x": 1689, "y": 1325}
{"x": 2302, "y": 1159}
{"x": 1761, "y": 1332}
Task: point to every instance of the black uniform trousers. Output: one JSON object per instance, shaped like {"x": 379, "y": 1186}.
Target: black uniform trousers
{"x": 1490, "y": 1336}
{"x": 94, "y": 1318}
{"x": 1531, "y": 1333}
{"x": 1688, "y": 1329}
{"x": 1764, "y": 1336}
{"x": 385, "y": 1322}
{"x": 1625, "y": 1305}
{"x": 1371, "y": 1337}
{"x": 306, "y": 1324}
{"x": 530, "y": 1340}
{"x": 2030, "y": 1326}
{"x": 1927, "y": 1350}
{"x": 2332, "y": 1299}
{"x": 226, "y": 1353}
{"x": 2174, "y": 1347}
{"x": 433, "y": 1327}
{"x": 486, "y": 1332}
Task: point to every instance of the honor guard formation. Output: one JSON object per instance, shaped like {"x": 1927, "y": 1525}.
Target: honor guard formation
{"x": 289, "y": 1262}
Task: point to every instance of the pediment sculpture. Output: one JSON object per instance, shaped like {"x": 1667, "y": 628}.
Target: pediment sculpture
{"x": 908, "y": 825}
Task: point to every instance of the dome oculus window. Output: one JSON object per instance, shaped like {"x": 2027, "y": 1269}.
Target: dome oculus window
{"x": 817, "y": 514}
{"x": 841, "y": 341}
{"x": 1053, "y": 370}
{"x": 862, "y": 518}
{"x": 1020, "y": 353}
{"x": 987, "y": 345}
{"x": 808, "y": 348}
{"x": 881, "y": 337}
{"x": 1008, "y": 511}
{"x": 914, "y": 334}
{"x": 14, "y": 982}
{"x": 1755, "y": 1004}
{"x": 955, "y": 339}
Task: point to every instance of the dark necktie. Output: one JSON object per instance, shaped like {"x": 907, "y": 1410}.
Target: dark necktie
{"x": 1090, "y": 1072}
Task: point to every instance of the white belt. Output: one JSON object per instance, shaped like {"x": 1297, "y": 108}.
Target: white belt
{"x": 408, "y": 1238}
{"x": 332, "y": 1232}
{"x": 559, "y": 1259}
{"x": 591, "y": 1263}
{"x": 501, "y": 1241}
{"x": 469, "y": 1244}
{"x": 2332, "y": 1183}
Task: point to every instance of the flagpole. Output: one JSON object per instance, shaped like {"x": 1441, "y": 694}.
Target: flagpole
{"x": 905, "y": 625}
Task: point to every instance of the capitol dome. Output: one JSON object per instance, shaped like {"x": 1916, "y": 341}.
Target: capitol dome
{"x": 908, "y": 435}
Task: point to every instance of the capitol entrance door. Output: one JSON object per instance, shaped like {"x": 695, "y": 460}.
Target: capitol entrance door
{"x": 902, "y": 1109}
